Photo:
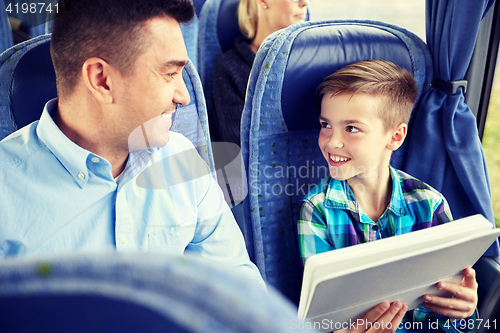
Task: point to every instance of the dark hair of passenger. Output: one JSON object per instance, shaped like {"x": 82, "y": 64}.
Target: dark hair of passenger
{"x": 377, "y": 78}
{"x": 108, "y": 29}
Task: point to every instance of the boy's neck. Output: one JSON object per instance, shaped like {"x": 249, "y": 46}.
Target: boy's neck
{"x": 372, "y": 192}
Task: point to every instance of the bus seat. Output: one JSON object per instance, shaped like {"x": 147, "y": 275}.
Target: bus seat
{"x": 190, "y": 33}
{"x": 134, "y": 292}
{"x": 36, "y": 19}
{"x": 217, "y": 33}
{"x": 5, "y": 31}
{"x": 198, "y": 4}
{"x": 219, "y": 29}
{"x": 28, "y": 82}
{"x": 490, "y": 307}
{"x": 280, "y": 126}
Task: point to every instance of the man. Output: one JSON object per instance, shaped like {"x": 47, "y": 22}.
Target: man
{"x": 83, "y": 177}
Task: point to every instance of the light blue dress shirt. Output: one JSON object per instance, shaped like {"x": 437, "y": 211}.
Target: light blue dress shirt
{"x": 57, "y": 196}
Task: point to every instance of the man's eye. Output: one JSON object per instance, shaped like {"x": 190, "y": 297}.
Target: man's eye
{"x": 324, "y": 124}
{"x": 172, "y": 74}
{"x": 352, "y": 129}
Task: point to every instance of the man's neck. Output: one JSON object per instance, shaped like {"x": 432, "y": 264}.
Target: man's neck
{"x": 90, "y": 134}
{"x": 372, "y": 192}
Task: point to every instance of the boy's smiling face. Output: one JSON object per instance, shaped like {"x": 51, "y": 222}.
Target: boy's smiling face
{"x": 352, "y": 137}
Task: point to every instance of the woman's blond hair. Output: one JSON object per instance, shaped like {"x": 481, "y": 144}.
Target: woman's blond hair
{"x": 248, "y": 18}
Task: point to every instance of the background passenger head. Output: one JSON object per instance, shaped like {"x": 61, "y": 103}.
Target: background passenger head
{"x": 260, "y": 18}
{"x": 394, "y": 85}
{"x": 108, "y": 29}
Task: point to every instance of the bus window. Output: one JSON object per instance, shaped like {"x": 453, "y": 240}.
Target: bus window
{"x": 409, "y": 14}
{"x": 491, "y": 142}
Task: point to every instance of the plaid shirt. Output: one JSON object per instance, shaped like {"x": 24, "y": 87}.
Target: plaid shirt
{"x": 331, "y": 218}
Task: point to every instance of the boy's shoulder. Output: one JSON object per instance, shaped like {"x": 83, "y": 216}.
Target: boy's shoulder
{"x": 318, "y": 192}
{"x": 416, "y": 190}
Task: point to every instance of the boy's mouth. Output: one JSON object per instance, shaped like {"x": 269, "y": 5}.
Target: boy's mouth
{"x": 338, "y": 159}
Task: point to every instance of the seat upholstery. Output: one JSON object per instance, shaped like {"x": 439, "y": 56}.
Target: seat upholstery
{"x": 28, "y": 82}
{"x": 190, "y": 33}
{"x": 134, "y": 292}
{"x": 280, "y": 126}
{"x": 217, "y": 32}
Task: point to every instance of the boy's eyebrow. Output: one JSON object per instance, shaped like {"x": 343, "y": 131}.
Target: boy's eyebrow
{"x": 353, "y": 121}
{"x": 345, "y": 122}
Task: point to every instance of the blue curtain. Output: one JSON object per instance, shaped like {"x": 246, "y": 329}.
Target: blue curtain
{"x": 444, "y": 148}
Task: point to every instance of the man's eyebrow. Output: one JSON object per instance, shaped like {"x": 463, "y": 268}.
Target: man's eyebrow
{"x": 174, "y": 63}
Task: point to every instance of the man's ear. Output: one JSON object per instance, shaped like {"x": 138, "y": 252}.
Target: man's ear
{"x": 398, "y": 137}
{"x": 97, "y": 75}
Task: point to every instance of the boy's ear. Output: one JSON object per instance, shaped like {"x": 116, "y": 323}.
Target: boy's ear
{"x": 398, "y": 137}
{"x": 97, "y": 75}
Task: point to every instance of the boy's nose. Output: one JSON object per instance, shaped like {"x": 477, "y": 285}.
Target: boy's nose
{"x": 335, "y": 142}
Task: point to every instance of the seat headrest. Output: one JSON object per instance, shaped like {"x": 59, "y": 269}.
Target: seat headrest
{"x": 331, "y": 47}
{"x": 34, "y": 84}
{"x": 227, "y": 24}
{"x": 197, "y": 6}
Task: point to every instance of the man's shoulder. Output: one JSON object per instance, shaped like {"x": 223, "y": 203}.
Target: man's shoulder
{"x": 19, "y": 146}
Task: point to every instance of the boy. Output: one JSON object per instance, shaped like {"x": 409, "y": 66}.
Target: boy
{"x": 365, "y": 109}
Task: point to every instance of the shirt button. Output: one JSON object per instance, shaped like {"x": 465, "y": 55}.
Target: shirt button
{"x": 124, "y": 240}
{"x": 375, "y": 228}
{"x": 81, "y": 175}
{"x": 95, "y": 159}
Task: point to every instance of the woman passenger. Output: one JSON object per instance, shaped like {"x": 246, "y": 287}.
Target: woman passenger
{"x": 257, "y": 20}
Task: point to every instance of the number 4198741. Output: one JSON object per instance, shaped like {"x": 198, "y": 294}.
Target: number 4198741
{"x": 32, "y": 8}
{"x": 472, "y": 324}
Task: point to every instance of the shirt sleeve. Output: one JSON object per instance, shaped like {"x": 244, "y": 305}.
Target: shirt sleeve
{"x": 217, "y": 236}
{"x": 441, "y": 212}
{"x": 312, "y": 231}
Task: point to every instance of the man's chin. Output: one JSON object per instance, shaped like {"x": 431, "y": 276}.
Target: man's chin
{"x": 139, "y": 141}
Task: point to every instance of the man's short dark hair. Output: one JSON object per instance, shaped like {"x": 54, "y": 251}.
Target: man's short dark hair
{"x": 108, "y": 29}
{"x": 379, "y": 78}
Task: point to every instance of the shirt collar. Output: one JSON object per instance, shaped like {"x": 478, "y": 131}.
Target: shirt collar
{"x": 339, "y": 195}
{"x": 397, "y": 204}
{"x": 74, "y": 158}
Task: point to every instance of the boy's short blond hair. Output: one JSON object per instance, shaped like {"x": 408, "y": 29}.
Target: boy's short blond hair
{"x": 376, "y": 78}
{"x": 248, "y": 18}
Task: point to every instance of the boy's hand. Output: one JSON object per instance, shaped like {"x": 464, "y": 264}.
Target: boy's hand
{"x": 388, "y": 316}
{"x": 464, "y": 300}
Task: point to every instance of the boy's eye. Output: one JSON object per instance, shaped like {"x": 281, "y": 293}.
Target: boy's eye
{"x": 352, "y": 129}
{"x": 324, "y": 124}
